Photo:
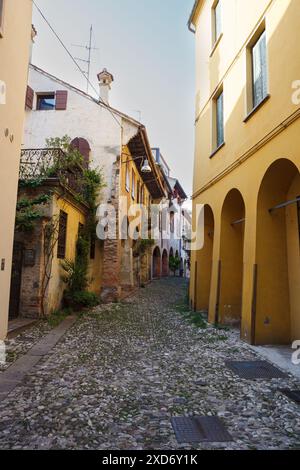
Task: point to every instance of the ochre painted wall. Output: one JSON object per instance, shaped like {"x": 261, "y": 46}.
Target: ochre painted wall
{"x": 75, "y": 217}
{"x": 14, "y": 58}
{"x": 260, "y": 159}
{"x": 132, "y": 270}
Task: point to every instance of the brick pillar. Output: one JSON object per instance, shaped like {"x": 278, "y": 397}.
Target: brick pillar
{"x": 111, "y": 287}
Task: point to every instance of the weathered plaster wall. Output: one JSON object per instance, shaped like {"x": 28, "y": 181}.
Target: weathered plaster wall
{"x": 14, "y": 57}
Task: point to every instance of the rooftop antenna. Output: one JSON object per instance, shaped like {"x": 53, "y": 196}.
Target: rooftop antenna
{"x": 89, "y": 48}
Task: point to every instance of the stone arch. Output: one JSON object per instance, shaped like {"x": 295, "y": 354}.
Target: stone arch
{"x": 277, "y": 312}
{"x": 165, "y": 264}
{"x": 156, "y": 263}
{"x": 230, "y": 285}
{"x": 204, "y": 262}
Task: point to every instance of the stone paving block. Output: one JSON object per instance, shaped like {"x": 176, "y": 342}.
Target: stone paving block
{"x": 112, "y": 380}
{"x": 17, "y": 372}
{"x": 7, "y": 386}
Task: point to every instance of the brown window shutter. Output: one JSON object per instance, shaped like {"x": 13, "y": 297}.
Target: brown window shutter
{"x": 29, "y": 98}
{"x": 83, "y": 147}
{"x": 61, "y": 100}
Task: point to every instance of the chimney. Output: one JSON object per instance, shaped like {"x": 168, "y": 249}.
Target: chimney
{"x": 33, "y": 36}
{"x": 105, "y": 80}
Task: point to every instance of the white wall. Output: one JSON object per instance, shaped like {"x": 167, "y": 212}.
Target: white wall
{"x": 83, "y": 118}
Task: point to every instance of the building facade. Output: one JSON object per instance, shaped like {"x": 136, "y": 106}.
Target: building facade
{"x": 168, "y": 224}
{"x": 59, "y": 206}
{"x": 246, "y": 169}
{"x": 15, "y": 43}
{"x": 113, "y": 142}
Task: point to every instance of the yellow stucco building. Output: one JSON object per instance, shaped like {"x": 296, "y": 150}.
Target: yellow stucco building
{"x": 246, "y": 169}
{"x": 15, "y": 40}
{"x": 42, "y": 248}
{"x": 138, "y": 190}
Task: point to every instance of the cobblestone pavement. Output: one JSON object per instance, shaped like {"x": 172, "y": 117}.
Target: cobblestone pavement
{"x": 122, "y": 372}
{"x": 21, "y": 344}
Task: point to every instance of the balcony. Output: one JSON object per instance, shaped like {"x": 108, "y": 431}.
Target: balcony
{"x": 49, "y": 166}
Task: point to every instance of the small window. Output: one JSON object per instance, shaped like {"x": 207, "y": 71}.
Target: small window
{"x": 138, "y": 191}
{"x": 218, "y": 120}
{"x": 259, "y": 70}
{"x": 172, "y": 222}
{"x": 62, "y": 235}
{"x": 217, "y": 21}
{"x": 142, "y": 194}
{"x": 133, "y": 185}
{"x": 1, "y": 17}
{"x": 127, "y": 178}
{"x": 46, "y": 102}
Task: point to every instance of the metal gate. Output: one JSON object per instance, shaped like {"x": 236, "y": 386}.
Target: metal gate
{"x": 16, "y": 279}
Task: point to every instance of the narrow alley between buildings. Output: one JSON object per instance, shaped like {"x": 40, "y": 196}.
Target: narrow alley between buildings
{"x": 123, "y": 371}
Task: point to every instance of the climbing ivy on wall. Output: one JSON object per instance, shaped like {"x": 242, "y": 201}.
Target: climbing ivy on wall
{"x": 29, "y": 212}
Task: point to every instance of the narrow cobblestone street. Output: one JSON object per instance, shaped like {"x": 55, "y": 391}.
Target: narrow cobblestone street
{"x": 121, "y": 373}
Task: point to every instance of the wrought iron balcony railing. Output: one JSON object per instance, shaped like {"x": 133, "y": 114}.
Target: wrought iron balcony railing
{"x": 50, "y": 164}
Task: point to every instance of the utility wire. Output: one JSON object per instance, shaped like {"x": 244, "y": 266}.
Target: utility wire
{"x": 73, "y": 60}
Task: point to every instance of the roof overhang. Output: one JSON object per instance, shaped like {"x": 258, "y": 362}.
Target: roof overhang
{"x": 139, "y": 149}
{"x": 180, "y": 190}
{"x": 195, "y": 10}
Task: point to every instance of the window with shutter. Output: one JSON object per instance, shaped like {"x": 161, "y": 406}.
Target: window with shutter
{"x": 62, "y": 235}
{"x": 259, "y": 70}
{"x": 61, "y": 100}
{"x": 45, "y": 102}
{"x": 29, "y": 98}
{"x": 133, "y": 185}
{"x": 83, "y": 148}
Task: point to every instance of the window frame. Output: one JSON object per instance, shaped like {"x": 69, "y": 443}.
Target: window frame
{"x": 257, "y": 44}
{"x": 142, "y": 199}
{"x": 251, "y": 106}
{"x": 172, "y": 222}
{"x": 216, "y": 35}
{"x": 138, "y": 191}
{"x": 2, "y": 17}
{"x": 40, "y": 96}
{"x": 216, "y": 144}
{"x": 62, "y": 235}
{"x": 127, "y": 177}
{"x": 133, "y": 190}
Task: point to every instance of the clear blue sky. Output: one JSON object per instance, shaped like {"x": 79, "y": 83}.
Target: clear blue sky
{"x": 146, "y": 45}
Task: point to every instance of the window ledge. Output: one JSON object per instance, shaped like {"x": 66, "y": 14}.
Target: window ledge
{"x": 257, "y": 107}
{"x": 216, "y": 45}
{"x": 217, "y": 150}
